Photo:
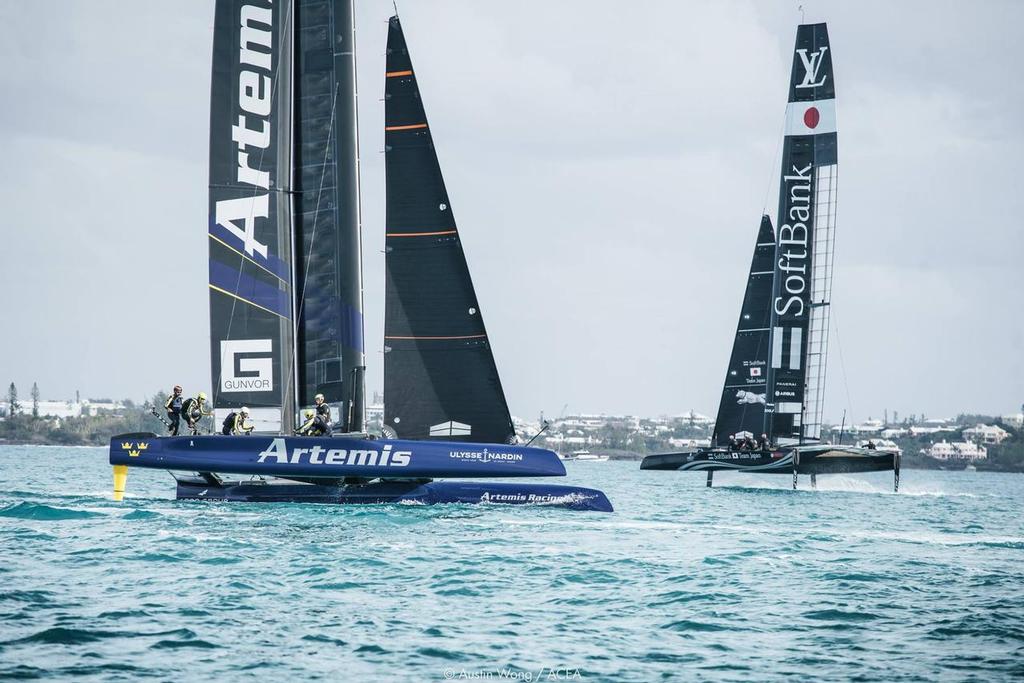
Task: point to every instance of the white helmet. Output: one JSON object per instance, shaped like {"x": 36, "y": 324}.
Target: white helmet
{"x": 245, "y": 411}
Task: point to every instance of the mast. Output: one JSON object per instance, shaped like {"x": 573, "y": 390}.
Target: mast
{"x": 743, "y": 395}
{"x": 440, "y": 378}
{"x": 806, "y": 219}
{"x": 250, "y": 247}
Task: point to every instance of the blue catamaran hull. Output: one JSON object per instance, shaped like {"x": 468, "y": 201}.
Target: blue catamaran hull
{"x": 345, "y": 469}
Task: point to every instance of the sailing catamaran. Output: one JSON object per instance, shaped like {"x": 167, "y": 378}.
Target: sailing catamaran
{"x": 776, "y": 377}
{"x": 286, "y": 310}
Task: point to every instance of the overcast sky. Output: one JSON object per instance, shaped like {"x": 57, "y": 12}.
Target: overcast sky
{"x": 607, "y": 164}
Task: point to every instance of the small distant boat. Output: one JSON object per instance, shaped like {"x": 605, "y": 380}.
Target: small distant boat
{"x": 584, "y": 456}
{"x": 776, "y": 376}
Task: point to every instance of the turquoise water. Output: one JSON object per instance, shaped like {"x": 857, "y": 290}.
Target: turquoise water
{"x": 748, "y": 581}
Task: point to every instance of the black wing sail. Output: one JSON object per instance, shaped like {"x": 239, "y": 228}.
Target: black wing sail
{"x": 440, "y": 379}
{"x": 806, "y": 228}
{"x": 327, "y": 224}
{"x": 251, "y": 312}
{"x": 743, "y": 396}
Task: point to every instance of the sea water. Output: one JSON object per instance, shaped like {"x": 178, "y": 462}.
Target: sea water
{"x": 746, "y": 581}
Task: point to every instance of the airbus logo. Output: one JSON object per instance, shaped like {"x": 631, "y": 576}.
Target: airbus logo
{"x": 812, "y": 64}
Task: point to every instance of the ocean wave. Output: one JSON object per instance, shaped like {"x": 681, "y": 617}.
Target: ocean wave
{"x": 41, "y": 511}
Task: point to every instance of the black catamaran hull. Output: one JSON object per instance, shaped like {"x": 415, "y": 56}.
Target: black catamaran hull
{"x": 394, "y": 491}
{"x": 824, "y": 459}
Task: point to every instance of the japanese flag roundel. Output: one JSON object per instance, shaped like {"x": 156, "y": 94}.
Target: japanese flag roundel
{"x": 811, "y": 118}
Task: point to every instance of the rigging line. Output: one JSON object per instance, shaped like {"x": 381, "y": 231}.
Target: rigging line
{"x": 263, "y": 151}
{"x": 842, "y": 366}
{"x": 779, "y": 139}
{"x": 312, "y": 238}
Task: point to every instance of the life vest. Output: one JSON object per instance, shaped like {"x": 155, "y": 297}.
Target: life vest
{"x": 174, "y": 403}
{"x": 229, "y": 424}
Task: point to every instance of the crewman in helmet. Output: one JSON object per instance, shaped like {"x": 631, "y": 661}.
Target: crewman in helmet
{"x": 312, "y": 425}
{"x": 238, "y": 422}
{"x": 194, "y": 410}
{"x": 323, "y": 413}
{"x": 173, "y": 407}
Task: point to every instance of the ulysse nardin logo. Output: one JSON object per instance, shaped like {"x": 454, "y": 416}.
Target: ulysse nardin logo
{"x": 451, "y": 428}
{"x": 318, "y": 455}
{"x": 812, "y": 64}
{"x": 246, "y": 365}
{"x": 486, "y": 455}
{"x": 252, "y": 131}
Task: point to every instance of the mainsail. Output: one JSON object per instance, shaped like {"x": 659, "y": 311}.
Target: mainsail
{"x": 250, "y": 229}
{"x": 743, "y": 396}
{"x": 285, "y": 292}
{"x": 440, "y": 379}
{"x": 806, "y": 220}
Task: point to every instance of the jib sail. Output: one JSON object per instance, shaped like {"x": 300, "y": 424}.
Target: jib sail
{"x": 743, "y": 396}
{"x": 806, "y": 229}
{"x": 327, "y": 218}
{"x": 440, "y": 379}
{"x": 250, "y": 227}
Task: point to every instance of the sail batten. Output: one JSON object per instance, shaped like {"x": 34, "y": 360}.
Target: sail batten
{"x": 440, "y": 378}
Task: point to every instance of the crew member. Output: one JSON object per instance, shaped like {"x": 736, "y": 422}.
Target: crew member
{"x": 762, "y": 443}
{"x": 323, "y": 413}
{"x": 237, "y": 423}
{"x": 173, "y": 408}
{"x": 732, "y": 442}
{"x": 194, "y": 410}
{"x": 313, "y": 426}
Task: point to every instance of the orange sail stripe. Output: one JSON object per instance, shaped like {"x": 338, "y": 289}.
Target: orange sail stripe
{"x": 419, "y": 234}
{"x": 409, "y": 127}
{"x": 394, "y": 74}
{"x": 467, "y": 336}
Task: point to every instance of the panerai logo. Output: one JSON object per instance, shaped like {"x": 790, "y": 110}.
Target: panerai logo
{"x": 252, "y": 133}
{"x": 246, "y": 365}
{"x": 318, "y": 455}
{"x": 812, "y": 64}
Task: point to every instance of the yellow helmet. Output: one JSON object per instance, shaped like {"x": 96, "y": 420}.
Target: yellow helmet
{"x": 201, "y": 396}
{"x": 310, "y": 413}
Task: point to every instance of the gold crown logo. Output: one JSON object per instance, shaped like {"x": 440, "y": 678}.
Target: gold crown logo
{"x": 126, "y": 446}
{"x": 143, "y": 446}
{"x": 133, "y": 454}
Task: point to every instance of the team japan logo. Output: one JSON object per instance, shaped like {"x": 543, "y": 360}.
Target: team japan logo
{"x": 246, "y": 365}
{"x": 812, "y": 64}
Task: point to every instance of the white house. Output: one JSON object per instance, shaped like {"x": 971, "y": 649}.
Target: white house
{"x": 956, "y": 450}
{"x": 1014, "y": 420}
{"x": 982, "y": 433}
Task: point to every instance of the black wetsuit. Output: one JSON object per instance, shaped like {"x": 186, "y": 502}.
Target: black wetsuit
{"x": 192, "y": 410}
{"x": 323, "y": 415}
{"x": 173, "y": 407}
